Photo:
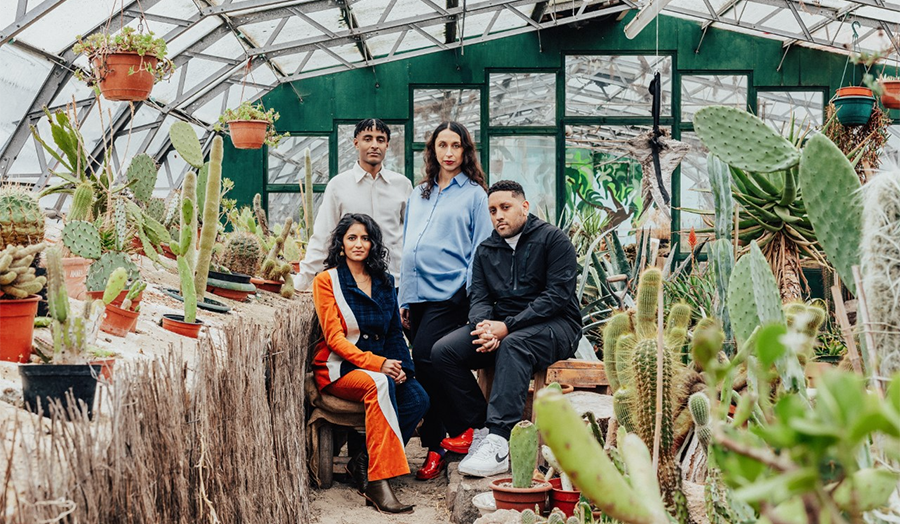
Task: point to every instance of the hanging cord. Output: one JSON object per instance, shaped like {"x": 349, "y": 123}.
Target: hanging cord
{"x": 854, "y": 48}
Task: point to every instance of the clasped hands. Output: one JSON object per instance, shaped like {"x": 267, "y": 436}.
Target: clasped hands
{"x": 489, "y": 333}
{"x": 393, "y": 369}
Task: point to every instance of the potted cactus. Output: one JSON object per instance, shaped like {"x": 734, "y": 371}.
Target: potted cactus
{"x": 275, "y": 272}
{"x": 22, "y": 223}
{"x": 126, "y": 65}
{"x": 250, "y": 126}
{"x": 563, "y": 495}
{"x": 522, "y": 491}
{"x": 121, "y": 319}
{"x": 19, "y": 288}
{"x": 73, "y": 337}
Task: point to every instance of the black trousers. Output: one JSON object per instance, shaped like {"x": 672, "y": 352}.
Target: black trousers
{"x": 520, "y": 354}
{"x": 429, "y": 322}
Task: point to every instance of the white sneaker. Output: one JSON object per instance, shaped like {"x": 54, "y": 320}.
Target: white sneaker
{"x": 489, "y": 459}
{"x": 477, "y": 440}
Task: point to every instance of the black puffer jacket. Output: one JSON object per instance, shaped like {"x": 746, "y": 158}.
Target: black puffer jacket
{"x": 533, "y": 284}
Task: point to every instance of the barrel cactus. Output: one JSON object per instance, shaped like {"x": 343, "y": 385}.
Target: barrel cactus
{"x": 21, "y": 218}
{"x": 242, "y": 253}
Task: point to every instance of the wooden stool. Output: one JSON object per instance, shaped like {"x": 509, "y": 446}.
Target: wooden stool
{"x": 325, "y": 409}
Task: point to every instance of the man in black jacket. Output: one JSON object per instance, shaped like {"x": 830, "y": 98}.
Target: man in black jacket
{"x": 523, "y": 316}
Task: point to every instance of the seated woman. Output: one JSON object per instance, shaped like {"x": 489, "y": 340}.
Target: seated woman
{"x": 363, "y": 356}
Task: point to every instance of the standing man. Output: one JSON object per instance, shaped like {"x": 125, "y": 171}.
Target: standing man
{"x": 367, "y": 188}
{"x": 523, "y": 317}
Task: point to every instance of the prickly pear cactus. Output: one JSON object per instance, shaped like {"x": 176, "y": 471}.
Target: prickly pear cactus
{"x": 185, "y": 141}
{"x": 100, "y": 270}
{"x": 523, "y": 449}
{"x": 753, "y": 296}
{"x": 141, "y": 176}
{"x": 21, "y": 218}
{"x": 830, "y": 189}
{"x": 743, "y": 140}
{"x": 115, "y": 285}
{"x": 556, "y": 517}
{"x": 720, "y": 185}
{"x": 156, "y": 209}
{"x": 528, "y": 517}
{"x": 721, "y": 256}
{"x": 120, "y": 217}
{"x": 82, "y": 239}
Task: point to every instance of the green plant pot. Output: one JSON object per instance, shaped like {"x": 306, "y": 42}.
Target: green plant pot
{"x": 854, "y": 110}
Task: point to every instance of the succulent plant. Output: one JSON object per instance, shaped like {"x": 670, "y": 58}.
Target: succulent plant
{"x": 82, "y": 204}
{"x": 260, "y": 214}
{"x": 141, "y": 176}
{"x": 21, "y": 218}
{"x": 242, "y": 253}
{"x": 136, "y": 289}
{"x": 116, "y": 283}
{"x": 72, "y": 334}
{"x": 155, "y": 208}
{"x": 17, "y": 276}
{"x": 210, "y": 217}
{"x": 185, "y": 141}
{"x": 100, "y": 271}
{"x": 523, "y": 450}
{"x": 82, "y": 239}
{"x": 273, "y": 268}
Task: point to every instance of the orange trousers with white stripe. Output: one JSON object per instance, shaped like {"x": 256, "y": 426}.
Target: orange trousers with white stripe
{"x": 392, "y": 413}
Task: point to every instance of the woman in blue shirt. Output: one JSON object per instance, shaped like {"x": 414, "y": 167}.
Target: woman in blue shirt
{"x": 446, "y": 218}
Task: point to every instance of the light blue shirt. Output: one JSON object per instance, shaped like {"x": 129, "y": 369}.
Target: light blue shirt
{"x": 439, "y": 240}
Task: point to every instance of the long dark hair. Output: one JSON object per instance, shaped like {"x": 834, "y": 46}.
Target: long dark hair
{"x": 377, "y": 262}
{"x": 471, "y": 166}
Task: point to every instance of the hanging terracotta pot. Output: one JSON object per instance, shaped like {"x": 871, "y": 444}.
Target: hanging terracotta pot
{"x": 176, "y": 324}
{"x": 890, "y": 93}
{"x": 520, "y": 499}
{"x": 118, "y": 322}
{"x": 76, "y": 270}
{"x": 248, "y": 134}
{"x": 124, "y": 76}
{"x": 854, "y": 105}
{"x": 17, "y": 319}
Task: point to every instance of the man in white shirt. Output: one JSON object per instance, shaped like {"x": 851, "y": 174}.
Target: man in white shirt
{"x": 366, "y": 188}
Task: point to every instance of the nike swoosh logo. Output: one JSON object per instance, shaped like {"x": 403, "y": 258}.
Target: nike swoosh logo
{"x": 498, "y": 458}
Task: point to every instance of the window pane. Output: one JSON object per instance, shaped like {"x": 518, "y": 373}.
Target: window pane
{"x": 283, "y": 205}
{"x": 394, "y": 158}
{"x": 694, "y": 191}
{"x": 287, "y": 163}
{"x": 433, "y": 106}
{"x": 530, "y": 161}
{"x": 603, "y": 185}
{"x": 615, "y": 85}
{"x": 523, "y": 99}
{"x": 777, "y": 108}
{"x": 706, "y": 90}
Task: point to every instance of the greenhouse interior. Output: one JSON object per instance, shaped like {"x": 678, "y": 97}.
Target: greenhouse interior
{"x": 519, "y": 261}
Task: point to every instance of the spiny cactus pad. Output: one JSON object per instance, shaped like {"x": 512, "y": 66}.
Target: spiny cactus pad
{"x": 100, "y": 270}
{"x": 830, "y": 189}
{"x": 82, "y": 239}
{"x": 21, "y": 218}
{"x": 185, "y": 141}
{"x": 523, "y": 449}
{"x": 142, "y": 175}
{"x": 753, "y": 296}
{"x": 743, "y": 140}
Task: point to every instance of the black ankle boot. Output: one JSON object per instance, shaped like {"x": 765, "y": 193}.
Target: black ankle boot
{"x": 380, "y": 494}
{"x": 358, "y": 469}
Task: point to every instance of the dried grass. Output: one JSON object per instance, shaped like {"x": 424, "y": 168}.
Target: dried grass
{"x": 222, "y": 440}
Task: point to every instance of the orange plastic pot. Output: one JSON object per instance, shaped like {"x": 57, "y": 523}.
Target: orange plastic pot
{"x": 853, "y": 91}
{"x": 17, "y": 319}
{"x": 124, "y": 76}
{"x": 176, "y": 324}
{"x": 890, "y": 93}
{"x": 76, "y": 270}
{"x": 167, "y": 252}
{"x": 296, "y": 266}
{"x": 248, "y": 134}
{"x": 106, "y": 367}
{"x": 118, "y": 322}
{"x": 240, "y": 296}
{"x": 272, "y": 286}
{"x": 520, "y": 499}
{"x": 563, "y": 499}
{"x": 98, "y": 295}
{"x": 138, "y": 246}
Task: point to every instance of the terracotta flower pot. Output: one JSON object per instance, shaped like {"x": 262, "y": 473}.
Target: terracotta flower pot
{"x": 118, "y": 322}
{"x": 853, "y": 91}
{"x": 167, "y": 252}
{"x": 563, "y": 499}
{"x": 137, "y": 246}
{"x": 272, "y": 286}
{"x": 17, "y": 319}
{"x": 296, "y": 266}
{"x": 106, "y": 367}
{"x": 890, "y": 93}
{"x": 519, "y": 499}
{"x": 239, "y": 296}
{"x": 98, "y": 295}
{"x": 124, "y": 76}
{"x": 248, "y": 134}
{"x": 176, "y": 324}
{"x": 76, "y": 270}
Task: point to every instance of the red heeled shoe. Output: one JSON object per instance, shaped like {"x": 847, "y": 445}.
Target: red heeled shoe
{"x": 434, "y": 464}
{"x": 459, "y": 444}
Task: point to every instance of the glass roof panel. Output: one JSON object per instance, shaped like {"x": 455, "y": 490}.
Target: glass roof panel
{"x": 416, "y": 40}
{"x": 22, "y": 75}
{"x": 58, "y": 28}
{"x": 188, "y": 38}
{"x": 409, "y": 8}
{"x": 296, "y": 29}
{"x": 182, "y": 9}
{"x": 331, "y": 19}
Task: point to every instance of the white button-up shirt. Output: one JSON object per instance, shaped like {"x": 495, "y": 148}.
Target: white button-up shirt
{"x": 382, "y": 197}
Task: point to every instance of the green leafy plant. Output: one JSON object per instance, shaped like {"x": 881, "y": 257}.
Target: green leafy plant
{"x": 100, "y": 45}
{"x": 248, "y": 111}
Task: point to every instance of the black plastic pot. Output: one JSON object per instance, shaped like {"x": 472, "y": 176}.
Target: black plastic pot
{"x": 46, "y": 383}
{"x": 43, "y": 310}
{"x": 208, "y": 304}
{"x": 238, "y": 278}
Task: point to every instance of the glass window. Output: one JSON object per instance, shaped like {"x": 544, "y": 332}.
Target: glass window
{"x": 530, "y": 161}
{"x": 287, "y": 163}
{"x": 394, "y": 159}
{"x": 603, "y": 185}
{"x": 433, "y": 106}
{"x": 695, "y": 193}
{"x": 698, "y": 91}
{"x": 522, "y": 99}
{"x": 615, "y": 85}
{"x": 778, "y": 107}
{"x": 283, "y": 205}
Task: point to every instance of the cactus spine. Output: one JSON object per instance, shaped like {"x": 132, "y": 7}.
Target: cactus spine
{"x": 21, "y": 218}
{"x": 523, "y": 449}
{"x": 242, "y": 253}
{"x": 17, "y": 276}
{"x": 647, "y": 298}
{"x": 210, "y": 217}
{"x": 618, "y": 325}
{"x": 699, "y": 406}
{"x": 82, "y": 239}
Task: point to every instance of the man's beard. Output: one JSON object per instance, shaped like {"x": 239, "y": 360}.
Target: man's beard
{"x": 512, "y": 232}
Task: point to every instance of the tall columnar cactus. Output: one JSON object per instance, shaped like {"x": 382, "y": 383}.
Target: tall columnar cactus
{"x": 619, "y": 324}
{"x": 141, "y": 176}
{"x": 881, "y": 265}
{"x": 21, "y": 218}
{"x": 831, "y": 194}
{"x": 188, "y": 292}
{"x": 523, "y": 450}
{"x": 242, "y": 253}
{"x": 189, "y": 222}
{"x": 210, "y": 217}
{"x": 120, "y": 219}
{"x": 82, "y": 239}
{"x": 260, "y": 215}
{"x": 82, "y": 202}
{"x": 17, "y": 276}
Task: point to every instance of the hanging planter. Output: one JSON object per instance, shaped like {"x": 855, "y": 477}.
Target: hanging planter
{"x": 250, "y": 126}
{"x": 124, "y": 66}
{"x": 890, "y": 92}
{"x": 854, "y": 105}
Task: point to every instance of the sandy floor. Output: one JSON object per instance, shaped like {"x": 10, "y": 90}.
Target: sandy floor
{"x": 342, "y": 505}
